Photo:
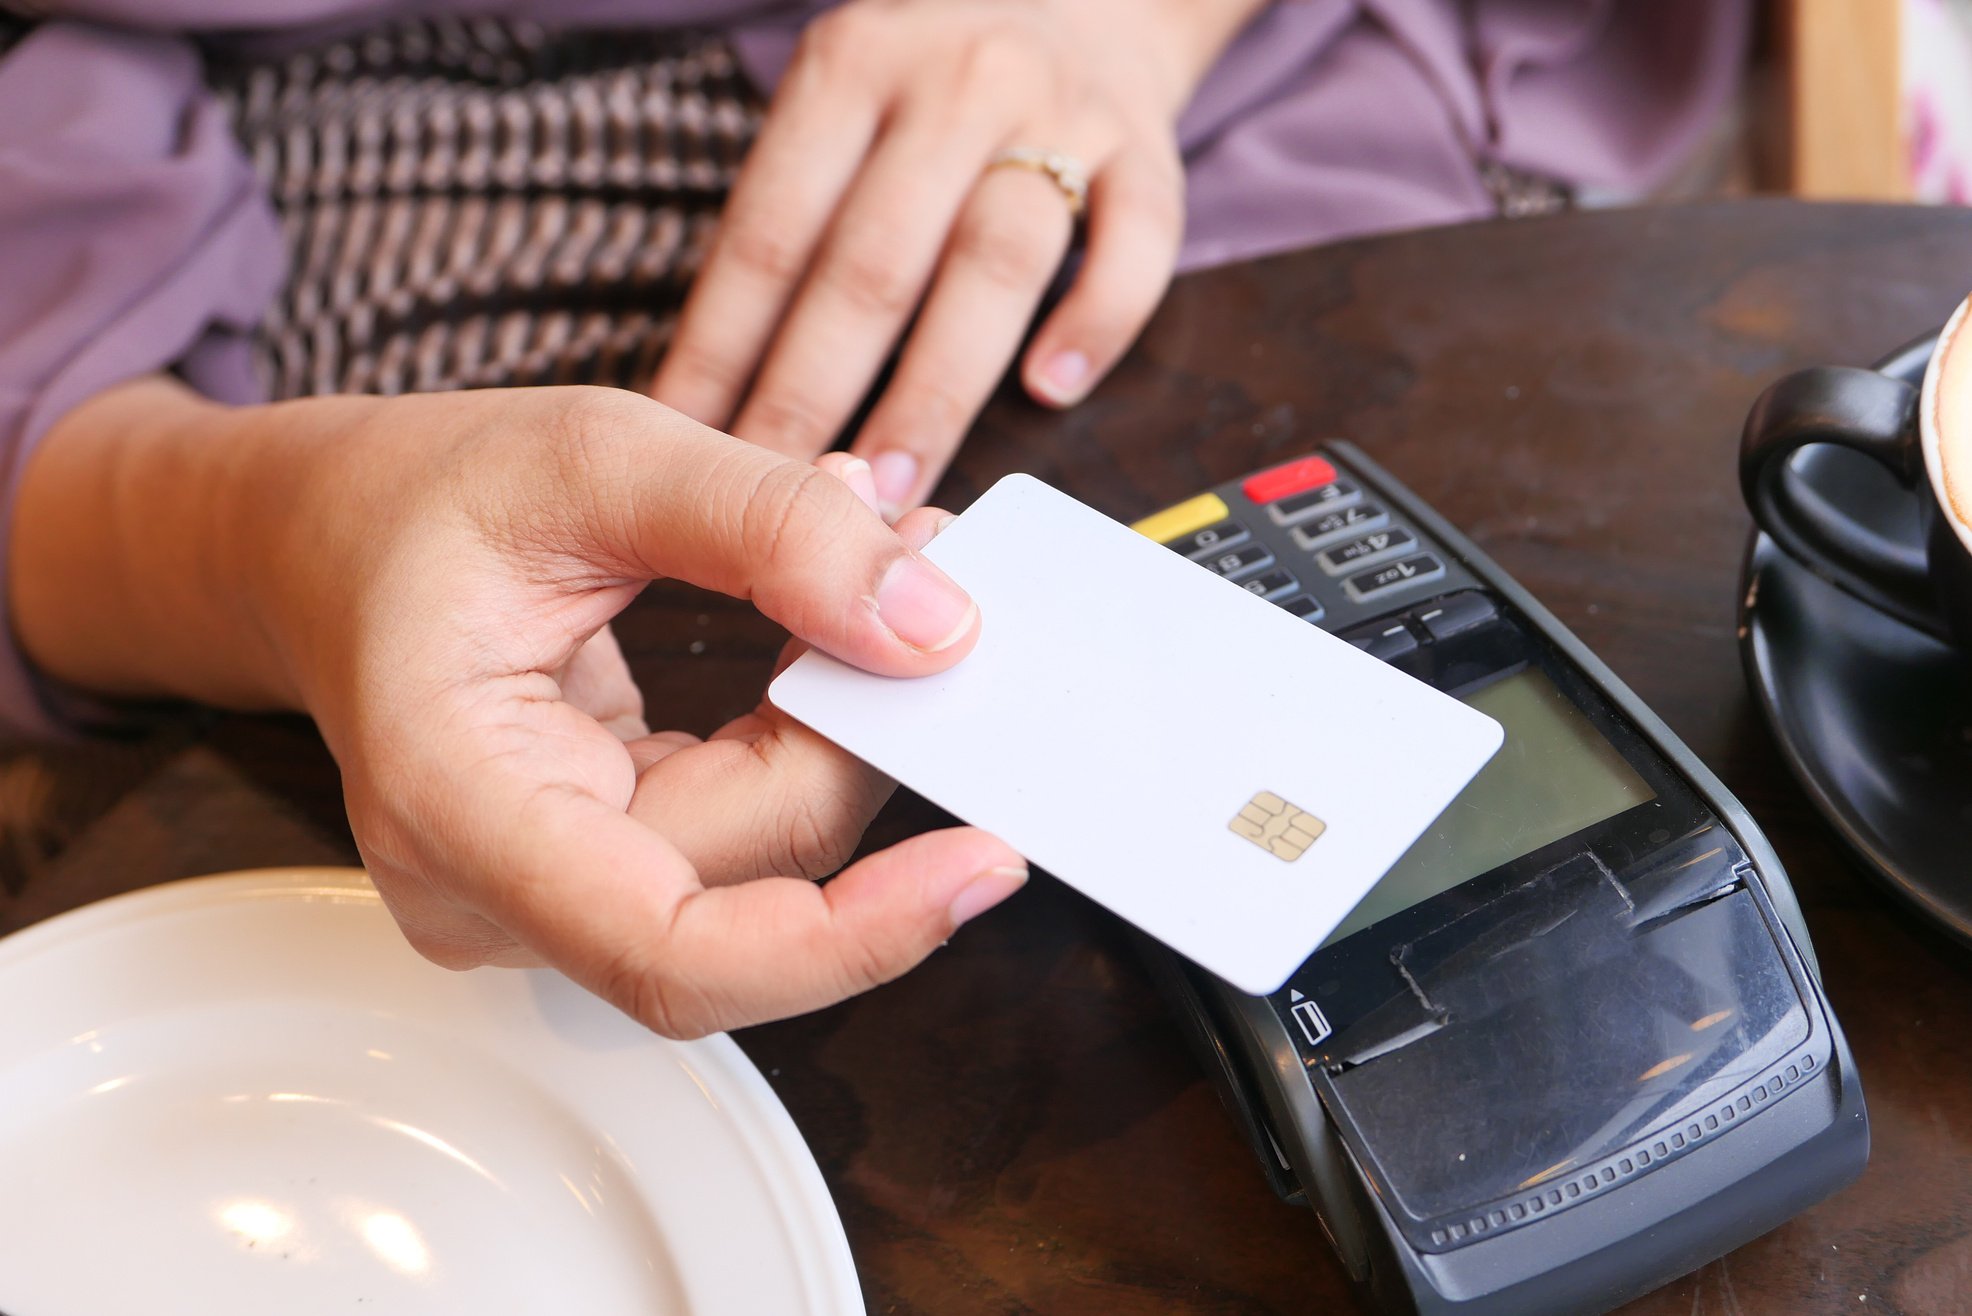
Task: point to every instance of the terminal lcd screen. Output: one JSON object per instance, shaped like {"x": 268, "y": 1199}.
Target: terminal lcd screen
{"x": 1555, "y": 775}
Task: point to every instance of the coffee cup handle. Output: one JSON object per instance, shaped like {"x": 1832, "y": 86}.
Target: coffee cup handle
{"x": 1869, "y": 413}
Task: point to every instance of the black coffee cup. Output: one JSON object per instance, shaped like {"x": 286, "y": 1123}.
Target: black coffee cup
{"x": 1927, "y": 585}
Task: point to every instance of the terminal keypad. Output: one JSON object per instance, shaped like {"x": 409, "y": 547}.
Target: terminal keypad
{"x": 1305, "y": 536}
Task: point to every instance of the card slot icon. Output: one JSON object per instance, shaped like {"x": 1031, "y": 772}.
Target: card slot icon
{"x": 1314, "y": 1024}
{"x": 1281, "y": 829}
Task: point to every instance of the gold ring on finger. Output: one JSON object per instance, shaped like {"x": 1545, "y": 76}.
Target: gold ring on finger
{"x": 1069, "y": 175}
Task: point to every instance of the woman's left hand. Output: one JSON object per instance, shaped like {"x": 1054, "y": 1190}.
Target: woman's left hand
{"x": 872, "y": 197}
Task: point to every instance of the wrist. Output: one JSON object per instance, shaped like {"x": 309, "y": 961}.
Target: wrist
{"x": 137, "y": 550}
{"x": 1185, "y": 37}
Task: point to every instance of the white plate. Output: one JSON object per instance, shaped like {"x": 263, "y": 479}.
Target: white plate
{"x": 247, "y": 1094}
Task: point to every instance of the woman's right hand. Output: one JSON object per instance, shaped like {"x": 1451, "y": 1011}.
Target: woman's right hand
{"x": 432, "y": 577}
{"x": 871, "y": 216}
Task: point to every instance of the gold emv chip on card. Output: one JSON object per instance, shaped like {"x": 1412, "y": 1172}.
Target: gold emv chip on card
{"x": 1277, "y": 826}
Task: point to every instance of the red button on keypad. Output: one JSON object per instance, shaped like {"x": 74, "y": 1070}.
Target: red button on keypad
{"x": 1307, "y": 473}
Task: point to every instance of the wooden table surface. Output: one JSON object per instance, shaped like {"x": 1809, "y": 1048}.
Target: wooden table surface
{"x": 1015, "y": 1126}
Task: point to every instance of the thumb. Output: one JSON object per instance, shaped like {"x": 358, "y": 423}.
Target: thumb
{"x": 706, "y": 508}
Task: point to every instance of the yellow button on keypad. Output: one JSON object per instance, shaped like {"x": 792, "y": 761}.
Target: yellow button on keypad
{"x": 1192, "y": 514}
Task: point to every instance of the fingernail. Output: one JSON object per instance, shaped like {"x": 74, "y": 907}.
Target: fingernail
{"x": 984, "y": 892}
{"x": 896, "y": 479}
{"x": 943, "y": 521}
{"x": 856, "y": 474}
{"x": 923, "y": 606}
{"x": 1062, "y": 376}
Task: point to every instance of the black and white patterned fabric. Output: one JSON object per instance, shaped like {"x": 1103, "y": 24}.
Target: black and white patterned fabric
{"x": 470, "y": 203}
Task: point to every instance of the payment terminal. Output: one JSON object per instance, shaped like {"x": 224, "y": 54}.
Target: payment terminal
{"x": 1574, "y": 1044}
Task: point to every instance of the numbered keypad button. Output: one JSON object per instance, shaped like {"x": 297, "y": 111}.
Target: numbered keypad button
{"x": 1304, "y": 607}
{"x": 1212, "y": 539}
{"x": 1367, "y": 549}
{"x": 1398, "y": 575}
{"x": 1272, "y": 585}
{"x": 1313, "y": 502}
{"x": 1239, "y": 562}
{"x": 1341, "y": 524}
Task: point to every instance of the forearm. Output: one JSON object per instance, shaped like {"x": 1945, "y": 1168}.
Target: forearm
{"x": 139, "y": 543}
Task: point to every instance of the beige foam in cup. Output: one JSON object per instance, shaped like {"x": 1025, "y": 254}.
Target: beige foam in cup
{"x": 1951, "y": 419}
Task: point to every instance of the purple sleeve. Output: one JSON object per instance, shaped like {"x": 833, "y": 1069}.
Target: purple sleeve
{"x": 1332, "y": 118}
{"x": 132, "y": 238}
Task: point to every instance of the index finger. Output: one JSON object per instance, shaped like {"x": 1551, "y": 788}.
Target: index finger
{"x": 809, "y": 148}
